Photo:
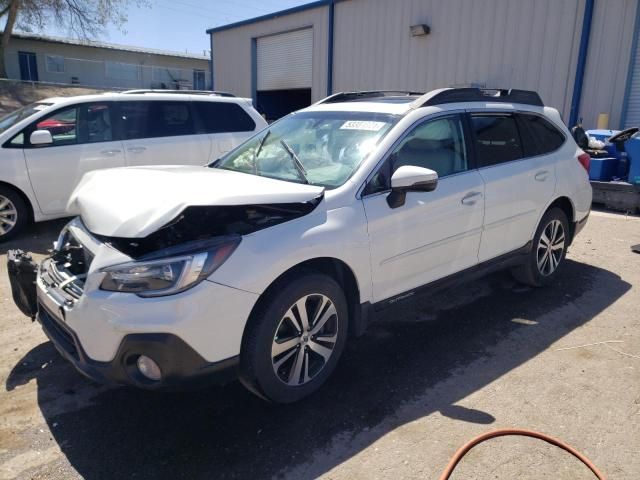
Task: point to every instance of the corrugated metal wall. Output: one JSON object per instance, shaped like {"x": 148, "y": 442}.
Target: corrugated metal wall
{"x": 232, "y": 51}
{"x": 605, "y": 78}
{"x": 632, "y": 117}
{"x": 529, "y": 44}
{"x": 526, "y": 44}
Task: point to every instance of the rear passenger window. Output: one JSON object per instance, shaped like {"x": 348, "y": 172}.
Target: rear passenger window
{"x": 135, "y": 119}
{"x": 497, "y": 139}
{"x": 221, "y": 117}
{"x": 544, "y": 136}
{"x": 156, "y": 119}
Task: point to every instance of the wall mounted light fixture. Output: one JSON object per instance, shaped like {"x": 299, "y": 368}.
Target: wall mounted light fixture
{"x": 419, "y": 30}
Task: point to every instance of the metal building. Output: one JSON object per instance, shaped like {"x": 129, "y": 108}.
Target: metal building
{"x": 582, "y": 56}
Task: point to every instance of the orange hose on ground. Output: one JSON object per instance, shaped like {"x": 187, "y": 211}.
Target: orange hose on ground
{"x": 462, "y": 451}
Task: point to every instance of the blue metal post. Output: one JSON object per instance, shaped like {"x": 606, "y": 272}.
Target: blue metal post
{"x": 582, "y": 62}
{"x": 213, "y": 82}
{"x": 254, "y": 72}
{"x": 332, "y": 13}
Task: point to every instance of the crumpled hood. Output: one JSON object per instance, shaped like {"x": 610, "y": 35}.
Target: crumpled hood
{"x": 132, "y": 202}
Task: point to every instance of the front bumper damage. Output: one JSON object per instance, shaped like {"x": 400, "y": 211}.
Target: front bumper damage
{"x": 181, "y": 365}
{"x": 104, "y": 333}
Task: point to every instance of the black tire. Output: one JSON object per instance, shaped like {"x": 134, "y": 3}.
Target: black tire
{"x": 257, "y": 370}
{"x": 530, "y": 273}
{"x": 11, "y": 224}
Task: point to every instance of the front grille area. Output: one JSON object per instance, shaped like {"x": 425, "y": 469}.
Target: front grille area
{"x": 66, "y": 269}
{"x": 57, "y": 332}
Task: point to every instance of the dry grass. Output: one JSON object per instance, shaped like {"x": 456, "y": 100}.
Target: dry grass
{"x": 15, "y": 94}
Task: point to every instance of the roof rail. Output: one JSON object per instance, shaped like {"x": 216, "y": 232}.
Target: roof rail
{"x": 184, "y": 92}
{"x": 495, "y": 95}
{"x": 351, "y": 96}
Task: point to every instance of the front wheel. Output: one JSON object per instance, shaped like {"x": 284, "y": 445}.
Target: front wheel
{"x": 547, "y": 252}
{"x": 294, "y": 342}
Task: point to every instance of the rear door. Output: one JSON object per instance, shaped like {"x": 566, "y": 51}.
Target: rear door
{"x": 161, "y": 132}
{"x": 434, "y": 234}
{"x": 225, "y": 123}
{"x": 83, "y": 140}
{"x": 519, "y": 182}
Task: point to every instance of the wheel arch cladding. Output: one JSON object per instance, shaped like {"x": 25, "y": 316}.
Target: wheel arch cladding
{"x": 564, "y": 204}
{"x": 338, "y": 270}
{"x": 22, "y": 195}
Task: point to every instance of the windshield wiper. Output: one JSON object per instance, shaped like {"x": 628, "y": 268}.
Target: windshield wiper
{"x": 258, "y": 150}
{"x": 296, "y": 161}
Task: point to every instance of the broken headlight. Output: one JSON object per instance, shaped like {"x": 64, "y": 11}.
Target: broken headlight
{"x": 169, "y": 271}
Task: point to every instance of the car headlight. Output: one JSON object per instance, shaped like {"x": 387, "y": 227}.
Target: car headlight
{"x": 169, "y": 271}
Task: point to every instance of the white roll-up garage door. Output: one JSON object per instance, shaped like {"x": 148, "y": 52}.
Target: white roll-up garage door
{"x": 284, "y": 61}
{"x": 632, "y": 118}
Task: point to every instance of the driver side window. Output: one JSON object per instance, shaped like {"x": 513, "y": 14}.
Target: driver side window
{"x": 436, "y": 144}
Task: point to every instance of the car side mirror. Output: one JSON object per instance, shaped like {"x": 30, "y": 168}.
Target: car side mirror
{"x": 409, "y": 178}
{"x": 41, "y": 137}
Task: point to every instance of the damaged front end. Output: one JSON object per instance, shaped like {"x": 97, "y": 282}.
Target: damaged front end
{"x": 199, "y": 224}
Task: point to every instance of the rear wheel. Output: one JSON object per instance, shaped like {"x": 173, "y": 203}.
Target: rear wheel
{"x": 14, "y": 214}
{"x": 294, "y": 342}
{"x": 548, "y": 250}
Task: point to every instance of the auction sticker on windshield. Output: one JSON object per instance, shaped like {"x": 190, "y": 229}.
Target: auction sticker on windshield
{"x": 362, "y": 125}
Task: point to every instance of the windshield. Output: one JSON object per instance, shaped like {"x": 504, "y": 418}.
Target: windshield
{"x": 319, "y": 148}
{"x": 10, "y": 120}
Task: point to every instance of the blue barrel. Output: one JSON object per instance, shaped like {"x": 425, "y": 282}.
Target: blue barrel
{"x": 603, "y": 169}
{"x": 632, "y": 147}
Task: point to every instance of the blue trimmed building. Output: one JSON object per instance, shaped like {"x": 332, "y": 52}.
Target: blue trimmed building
{"x": 583, "y": 56}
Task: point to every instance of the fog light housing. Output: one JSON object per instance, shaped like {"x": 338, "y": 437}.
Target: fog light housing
{"x": 148, "y": 368}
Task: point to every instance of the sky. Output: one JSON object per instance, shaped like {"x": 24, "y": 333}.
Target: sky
{"x": 180, "y": 25}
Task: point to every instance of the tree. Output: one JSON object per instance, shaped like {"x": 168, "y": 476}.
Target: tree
{"x": 84, "y": 19}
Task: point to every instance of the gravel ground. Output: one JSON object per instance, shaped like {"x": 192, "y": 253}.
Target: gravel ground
{"x": 423, "y": 381}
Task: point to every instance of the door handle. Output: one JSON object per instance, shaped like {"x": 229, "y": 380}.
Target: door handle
{"x": 541, "y": 176}
{"x": 136, "y": 149}
{"x": 471, "y": 198}
{"x": 110, "y": 153}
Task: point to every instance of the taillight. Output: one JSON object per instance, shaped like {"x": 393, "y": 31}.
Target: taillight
{"x": 585, "y": 160}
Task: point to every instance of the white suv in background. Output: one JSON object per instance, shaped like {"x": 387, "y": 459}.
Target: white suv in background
{"x": 47, "y": 147}
{"x": 262, "y": 264}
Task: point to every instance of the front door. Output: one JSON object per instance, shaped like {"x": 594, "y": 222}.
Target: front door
{"x": 162, "y": 133}
{"x": 434, "y": 234}
{"x": 28, "y": 66}
{"x": 83, "y": 140}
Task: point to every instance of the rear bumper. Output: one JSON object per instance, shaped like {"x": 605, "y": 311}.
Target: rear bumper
{"x": 181, "y": 365}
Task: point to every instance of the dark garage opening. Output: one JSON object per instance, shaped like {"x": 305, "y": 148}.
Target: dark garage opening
{"x": 275, "y": 104}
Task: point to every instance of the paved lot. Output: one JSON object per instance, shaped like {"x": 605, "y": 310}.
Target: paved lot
{"x": 419, "y": 384}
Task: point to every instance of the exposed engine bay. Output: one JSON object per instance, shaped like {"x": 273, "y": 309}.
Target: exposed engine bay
{"x": 197, "y": 223}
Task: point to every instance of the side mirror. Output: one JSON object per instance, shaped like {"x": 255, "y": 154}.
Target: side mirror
{"x": 410, "y": 179}
{"x": 41, "y": 137}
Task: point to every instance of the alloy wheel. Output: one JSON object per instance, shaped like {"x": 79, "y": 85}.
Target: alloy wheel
{"x": 305, "y": 339}
{"x": 550, "y": 247}
{"x": 8, "y": 215}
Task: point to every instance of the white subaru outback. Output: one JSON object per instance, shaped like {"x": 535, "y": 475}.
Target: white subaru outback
{"x": 262, "y": 264}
